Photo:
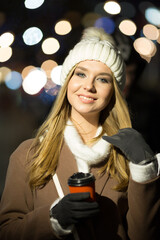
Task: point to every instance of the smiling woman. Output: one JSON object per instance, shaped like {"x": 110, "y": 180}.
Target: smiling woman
{"x": 89, "y": 91}
{"x": 88, "y": 131}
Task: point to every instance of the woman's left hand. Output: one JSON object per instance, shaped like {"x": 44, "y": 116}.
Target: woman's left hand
{"x": 133, "y": 145}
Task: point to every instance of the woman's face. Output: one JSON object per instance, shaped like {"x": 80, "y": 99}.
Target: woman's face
{"x": 90, "y": 88}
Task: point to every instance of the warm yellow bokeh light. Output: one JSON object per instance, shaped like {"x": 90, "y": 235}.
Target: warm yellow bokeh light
{"x": 50, "y": 46}
{"x": 151, "y": 31}
{"x": 47, "y": 66}
{"x": 158, "y": 39}
{"x": 63, "y": 27}
{"x": 3, "y": 73}
{"x": 27, "y": 70}
{"x": 5, "y": 54}
{"x": 6, "y": 39}
{"x": 128, "y": 27}
{"x": 144, "y": 47}
{"x": 112, "y": 7}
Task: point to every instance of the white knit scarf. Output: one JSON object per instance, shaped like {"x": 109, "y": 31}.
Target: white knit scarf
{"x": 85, "y": 156}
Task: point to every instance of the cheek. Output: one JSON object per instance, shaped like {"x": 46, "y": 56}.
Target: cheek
{"x": 106, "y": 95}
{"x": 72, "y": 88}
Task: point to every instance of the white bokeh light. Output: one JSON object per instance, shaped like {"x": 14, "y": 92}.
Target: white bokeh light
{"x": 55, "y": 74}
{"x": 153, "y": 16}
{"x": 33, "y": 4}
{"x": 32, "y": 36}
{"x": 6, "y": 39}
{"x": 112, "y": 7}
{"x": 34, "y": 81}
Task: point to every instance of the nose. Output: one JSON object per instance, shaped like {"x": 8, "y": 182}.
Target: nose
{"x": 88, "y": 85}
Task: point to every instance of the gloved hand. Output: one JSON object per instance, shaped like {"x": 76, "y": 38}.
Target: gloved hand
{"x": 133, "y": 145}
{"x": 74, "y": 207}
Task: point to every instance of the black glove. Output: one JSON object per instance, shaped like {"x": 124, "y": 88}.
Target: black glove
{"x": 133, "y": 145}
{"x": 74, "y": 207}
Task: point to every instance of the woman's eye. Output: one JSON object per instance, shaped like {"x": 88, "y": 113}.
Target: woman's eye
{"x": 104, "y": 80}
{"x": 80, "y": 74}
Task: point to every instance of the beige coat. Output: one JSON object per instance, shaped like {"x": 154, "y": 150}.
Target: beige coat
{"x": 25, "y": 215}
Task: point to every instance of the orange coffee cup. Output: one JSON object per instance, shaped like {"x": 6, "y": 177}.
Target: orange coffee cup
{"x": 82, "y": 182}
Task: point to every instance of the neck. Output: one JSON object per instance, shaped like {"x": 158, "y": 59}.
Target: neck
{"x": 86, "y": 127}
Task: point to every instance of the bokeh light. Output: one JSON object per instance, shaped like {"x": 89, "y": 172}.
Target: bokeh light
{"x": 89, "y": 19}
{"x": 151, "y": 31}
{"x": 34, "y": 81}
{"x": 152, "y": 15}
{"x": 112, "y": 7}
{"x": 106, "y": 23}
{"x": 3, "y": 73}
{"x": 33, "y": 4}
{"x": 32, "y": 36}
{"x": 5, "y": 54}
{"x": 27, "y": 70}
{"x": 55, "y": 74}
{"x": 13, "y": 80}
{"x": 2, "y": 18}
{"x": 158, "y": 40}
{"x": 47, "y": 66}
{"x": 6, "y": 39}
{"x": 63, "y": 27}
{"x": 144, "y": 47}
{"x": 50, "y": 46}
{"x": 128, "y": 27}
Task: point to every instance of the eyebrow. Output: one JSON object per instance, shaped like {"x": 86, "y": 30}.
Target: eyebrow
{"x": 102, "y": 73}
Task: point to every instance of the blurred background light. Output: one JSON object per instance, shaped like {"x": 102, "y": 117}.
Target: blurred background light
{"x": 33, "y": 4}
{"x": 112, "y": 7}
{"x": 63, "y": 27}
{"x": 6, "y": 39}
{"x": 106, "y": 23}
{"x": 13, "y": 80}
{"x": 47, "y": 66}
{"x": 50, "y": 46}
{"x": 144, "y": 46}
{"x": 5, "y": 54}
{"x": 89, "y": 19}
{"x": 152, "y": 15}
{"x": 32, "y": 36}
{"x": 127, "y": 10}
{"x": 55, "y": 74}
{"x": 144, "y": 5}
{"x": 27, "y": 70}
{"x": 151, "y": 31}
{"x": 34, "y": 81}
{"x": 128, "y": 27}
{"x": 3, "y": 72}
{"x": 158, "y": 40}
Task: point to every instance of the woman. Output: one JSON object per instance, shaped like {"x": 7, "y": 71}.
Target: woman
{"x": 88, "y": 130}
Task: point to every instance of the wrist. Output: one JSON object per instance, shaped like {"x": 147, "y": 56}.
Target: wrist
{"x": 143, "y": 173}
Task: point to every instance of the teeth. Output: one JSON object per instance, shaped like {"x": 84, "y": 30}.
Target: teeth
{"x": 86, "y": 98}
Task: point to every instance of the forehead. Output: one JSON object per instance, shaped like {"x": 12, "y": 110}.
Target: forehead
{"x": 93, "y": 65}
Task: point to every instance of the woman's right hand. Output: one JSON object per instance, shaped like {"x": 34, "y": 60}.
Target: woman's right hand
{"x": 74, "y": 207}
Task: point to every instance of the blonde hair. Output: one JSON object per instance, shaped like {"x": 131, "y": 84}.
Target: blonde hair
{"x": 48, "y": 141}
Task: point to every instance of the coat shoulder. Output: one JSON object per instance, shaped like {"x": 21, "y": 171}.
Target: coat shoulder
{"x": 21, "y": 152}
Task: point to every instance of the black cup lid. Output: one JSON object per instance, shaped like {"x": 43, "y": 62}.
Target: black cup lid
{"x": 81, "y": 179}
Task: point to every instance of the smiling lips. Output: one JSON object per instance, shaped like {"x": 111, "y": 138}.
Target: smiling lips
{"x": 86, "y": 99}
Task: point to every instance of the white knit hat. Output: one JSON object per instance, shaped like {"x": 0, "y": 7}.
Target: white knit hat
{"x": 96, "y": 45}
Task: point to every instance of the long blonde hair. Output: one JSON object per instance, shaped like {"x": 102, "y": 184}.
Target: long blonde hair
{"x": 48, "y": 141}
